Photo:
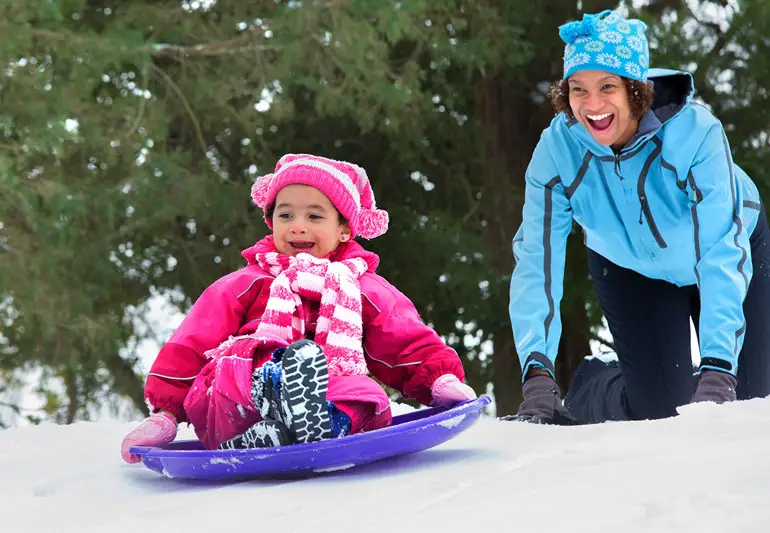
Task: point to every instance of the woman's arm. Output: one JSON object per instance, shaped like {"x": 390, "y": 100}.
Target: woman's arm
{"x": 539, "y": 249}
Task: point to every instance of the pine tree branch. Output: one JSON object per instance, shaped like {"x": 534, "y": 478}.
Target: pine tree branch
{"x": 185, "y": 103}
{"x": 13, "y": 407}
{"x": 10, "y": 148}
{"x": 140, "y": 111}
{"x": 595, "y": 337}
{"x": 706, "y": 61}
{"x": 231, "y": 46}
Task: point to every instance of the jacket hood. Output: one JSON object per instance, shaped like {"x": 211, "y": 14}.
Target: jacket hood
{"x": 346, "y": 250}
{"x": 673, "y": 90}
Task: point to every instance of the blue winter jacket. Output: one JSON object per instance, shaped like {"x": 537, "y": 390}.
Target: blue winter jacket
{"x": 671, "y": 205}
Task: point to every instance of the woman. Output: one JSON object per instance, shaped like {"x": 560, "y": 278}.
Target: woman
{"x": 674, "y": 230}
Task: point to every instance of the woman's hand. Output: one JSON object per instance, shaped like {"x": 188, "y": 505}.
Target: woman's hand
{"x": 715, "y": 386}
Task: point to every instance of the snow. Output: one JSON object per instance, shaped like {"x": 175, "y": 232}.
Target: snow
{"x": 452, "y": 422}
{"x": 704, "y": 471}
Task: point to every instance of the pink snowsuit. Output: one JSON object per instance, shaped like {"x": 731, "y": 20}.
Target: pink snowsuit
{"x": 214, "y": 395}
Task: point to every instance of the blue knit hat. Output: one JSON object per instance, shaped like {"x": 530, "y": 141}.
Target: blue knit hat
{"x": 606, "y": 41}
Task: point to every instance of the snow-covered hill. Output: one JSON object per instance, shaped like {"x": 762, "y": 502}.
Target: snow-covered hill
{"x": 707, "y": 470}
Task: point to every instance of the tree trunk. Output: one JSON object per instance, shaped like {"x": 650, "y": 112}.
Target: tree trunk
{"x": 71, "y": 386}
{"x": 125, "y": 381}
{"x": 506, "y": 379}
{"x": 513, "y": 124}
{"x": 502, "y": 200}
{"x": 574, "y": 344}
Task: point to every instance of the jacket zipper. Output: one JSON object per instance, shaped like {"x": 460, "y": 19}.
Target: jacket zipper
{"x": 645, "y": 211}
{"x": 617, "y": 166}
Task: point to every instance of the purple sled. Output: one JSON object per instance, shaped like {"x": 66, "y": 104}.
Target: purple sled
{"x": 412, "y": 432}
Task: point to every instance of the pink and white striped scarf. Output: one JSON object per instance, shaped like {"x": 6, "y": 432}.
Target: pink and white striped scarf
{"x": 339, "y": 330}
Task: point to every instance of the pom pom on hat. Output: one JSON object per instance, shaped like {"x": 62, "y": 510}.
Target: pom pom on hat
{"x": 372, "y": 223}
{"x": 259, "y": 190}
{"x": 608, "y": 42}
{"x": 570, "y": 31}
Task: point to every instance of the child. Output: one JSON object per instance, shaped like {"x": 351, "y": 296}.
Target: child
{"x": 278, "y": 351}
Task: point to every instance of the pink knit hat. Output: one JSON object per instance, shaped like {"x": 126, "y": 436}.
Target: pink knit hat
{"x": 345, "y": 184}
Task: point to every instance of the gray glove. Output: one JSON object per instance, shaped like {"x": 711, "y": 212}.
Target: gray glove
{"x": 542, "y": 403}
{"x": 715, "y": 386}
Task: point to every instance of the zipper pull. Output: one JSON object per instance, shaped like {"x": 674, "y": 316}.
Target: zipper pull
{"x": 641, "y": 209}
{"x": 617, "y": 166}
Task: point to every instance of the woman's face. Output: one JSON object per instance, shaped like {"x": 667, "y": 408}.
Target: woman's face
{"x": 599, "y": 101}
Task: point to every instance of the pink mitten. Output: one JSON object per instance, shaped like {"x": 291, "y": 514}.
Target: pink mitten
{"x": 447, "y": 390}
{"x": 157, "y": 430}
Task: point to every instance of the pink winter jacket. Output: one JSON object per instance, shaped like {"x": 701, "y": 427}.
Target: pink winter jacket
{"x": 400, "y": 350}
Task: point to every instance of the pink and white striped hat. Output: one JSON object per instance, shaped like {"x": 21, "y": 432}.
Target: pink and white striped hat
{"x": 345, "y": 184}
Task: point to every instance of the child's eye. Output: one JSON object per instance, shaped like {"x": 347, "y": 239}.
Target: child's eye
{"x": 284, "y": 216}
{"x": 316, "y": 217}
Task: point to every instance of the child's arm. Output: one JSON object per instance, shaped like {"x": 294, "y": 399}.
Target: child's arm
{"x": 401, "y": 351}
{"x": 218, "y": 313}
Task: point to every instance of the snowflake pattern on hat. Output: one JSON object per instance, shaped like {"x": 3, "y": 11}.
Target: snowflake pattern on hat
{"x": 611, "y": 37}
{"x": 606, "y": 41}
{"x": 594, "y": 46}
{"x": 623, "y": 27}
{"x": 624, "y": 51}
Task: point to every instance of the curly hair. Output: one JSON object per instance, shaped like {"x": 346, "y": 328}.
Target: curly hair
{"x": 640, "y": 96}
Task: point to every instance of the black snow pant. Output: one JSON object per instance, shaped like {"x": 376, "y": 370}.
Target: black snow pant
{"x": 650, "y": 325}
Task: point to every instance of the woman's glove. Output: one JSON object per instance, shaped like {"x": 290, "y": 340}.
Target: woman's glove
{"x": 542, "y": 403}
{"x": 156, "y": 430}
{"x": 447, "y": 390}
{"x": 715, "y": 386}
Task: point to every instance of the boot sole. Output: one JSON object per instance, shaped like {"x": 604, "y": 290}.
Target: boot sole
{"x": 263, "y": 434}
{"x": 305, "y": 382}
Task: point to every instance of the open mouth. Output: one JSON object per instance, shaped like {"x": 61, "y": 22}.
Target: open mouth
{"x": 301, "y": 245}
{"x": 601, "y": 123}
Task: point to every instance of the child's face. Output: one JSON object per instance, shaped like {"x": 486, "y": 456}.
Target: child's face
{"x": 599, "y": 101}
{"x": 305, "y": 220}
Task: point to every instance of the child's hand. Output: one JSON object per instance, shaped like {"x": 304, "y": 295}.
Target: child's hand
{"x": 157, "y": 430}
{"x": 447, "y": 390}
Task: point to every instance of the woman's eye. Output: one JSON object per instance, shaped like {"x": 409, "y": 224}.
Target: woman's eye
{"x": 608, "y": 86}
{"x": 576, "y": 90}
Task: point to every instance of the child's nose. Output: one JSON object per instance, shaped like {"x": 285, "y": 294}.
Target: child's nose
{"x": 298, "y": 227}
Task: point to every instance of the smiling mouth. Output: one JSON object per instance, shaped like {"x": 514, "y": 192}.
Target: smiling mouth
{"x": 301, "y": 245}
{"x": 601, "y": 123}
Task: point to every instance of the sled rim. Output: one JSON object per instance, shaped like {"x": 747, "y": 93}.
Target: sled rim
{"x": 411, "y": 424}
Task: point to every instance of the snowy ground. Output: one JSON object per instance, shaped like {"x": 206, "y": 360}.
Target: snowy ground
{"x": 705, "y": 471}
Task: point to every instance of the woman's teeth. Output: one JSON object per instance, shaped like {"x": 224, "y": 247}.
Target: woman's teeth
{"x": 600, "y": 122}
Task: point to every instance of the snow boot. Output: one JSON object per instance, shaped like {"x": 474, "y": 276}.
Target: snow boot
{"x": 291, "y": 389}
{"x": 263, "y": 434}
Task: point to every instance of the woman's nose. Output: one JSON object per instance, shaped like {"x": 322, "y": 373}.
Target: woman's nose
{"x": 594, "y": 102}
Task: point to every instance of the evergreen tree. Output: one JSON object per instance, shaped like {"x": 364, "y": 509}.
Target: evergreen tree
{"x": 130, "y": 133}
